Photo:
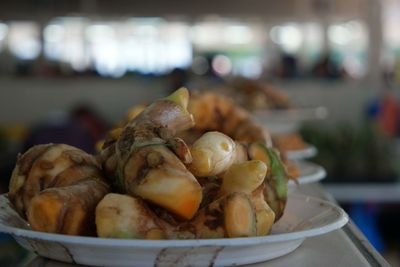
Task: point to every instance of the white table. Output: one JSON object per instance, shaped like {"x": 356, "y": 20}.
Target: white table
{"x": 343, "y": 247}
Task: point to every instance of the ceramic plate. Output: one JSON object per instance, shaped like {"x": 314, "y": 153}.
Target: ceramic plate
{"x": 309, "y": 173}
{"x": 304, "y": 217}
{"x": 308, "y": 152}
{"x": 291, "y": 115}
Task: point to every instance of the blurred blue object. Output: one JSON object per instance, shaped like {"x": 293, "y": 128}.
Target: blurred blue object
{"x": 5, "y": 237}
{"x": 365, "y": 216}
{"x": 373, "y": 108}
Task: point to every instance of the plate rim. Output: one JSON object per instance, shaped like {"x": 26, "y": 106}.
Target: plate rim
{"x": 319, "y": 175}
{"x": 231, "y": 242}
{"x": 293, "y": 114}
{"x": 297, "y": 154}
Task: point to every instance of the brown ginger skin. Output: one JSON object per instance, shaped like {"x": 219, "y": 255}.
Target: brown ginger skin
{"x": 213, "y": 111}
{"x": 56, "y": 187}
{"x": 147, "y": 161}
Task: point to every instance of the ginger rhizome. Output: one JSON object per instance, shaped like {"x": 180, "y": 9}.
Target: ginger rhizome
{"x": 224, "y": 183}
{"x": 56, "y": 188}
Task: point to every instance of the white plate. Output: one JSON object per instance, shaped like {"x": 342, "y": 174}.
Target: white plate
{"x": 309, "y": 173}
{"x": 279, "y": 127}
{"x": 291, "y": 115}
{"x": 304, "y": 217}
{"x": 308, "y": 152}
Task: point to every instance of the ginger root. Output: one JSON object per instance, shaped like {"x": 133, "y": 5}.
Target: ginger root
{"x": 275, "y": 191}
{"x": 123, "y": 216}
{"x": 214, "y": 112}
{"x": 230, "y": 216}
{"x": 213, "y": 153}
{"x": 56, "y": 188}
{"x": 146, "y": 160}
{"x": 243, "y": 177}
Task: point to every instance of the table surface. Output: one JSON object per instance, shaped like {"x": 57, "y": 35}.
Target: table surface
{"x": 343, "y": 247}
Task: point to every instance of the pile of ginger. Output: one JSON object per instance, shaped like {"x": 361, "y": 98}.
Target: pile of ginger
{"x": 148, "y": 183}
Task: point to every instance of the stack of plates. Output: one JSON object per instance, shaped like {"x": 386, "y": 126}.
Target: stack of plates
{"x": 289, "y": 121}
{"x": 291, "y": 115}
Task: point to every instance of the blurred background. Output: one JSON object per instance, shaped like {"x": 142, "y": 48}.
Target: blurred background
{"x": 71, "y": 69}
